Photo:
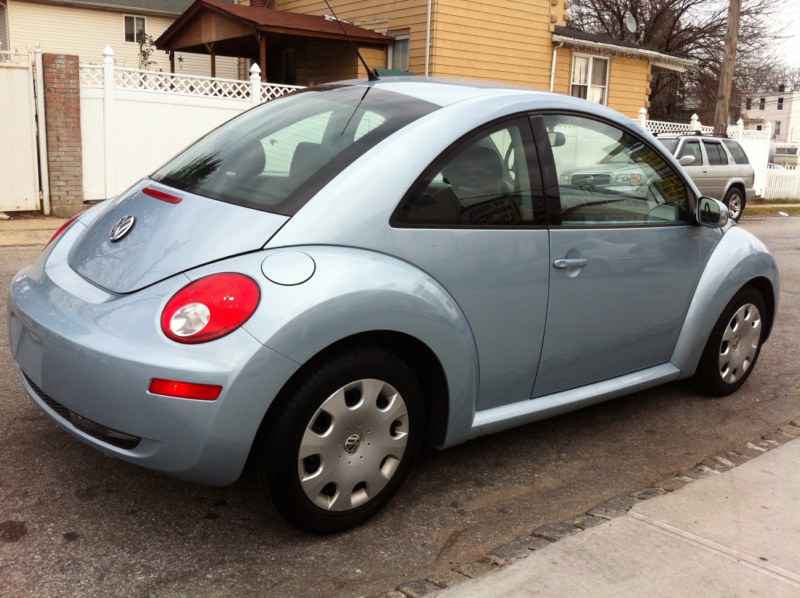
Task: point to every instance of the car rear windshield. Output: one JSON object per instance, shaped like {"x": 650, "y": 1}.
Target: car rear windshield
{"x": 277, "y": 156}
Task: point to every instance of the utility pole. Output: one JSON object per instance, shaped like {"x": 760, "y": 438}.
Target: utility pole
{"x": 728, "y": 64}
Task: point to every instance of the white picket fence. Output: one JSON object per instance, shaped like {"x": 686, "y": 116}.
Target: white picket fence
{"x": 133, "y": 121}
{"x": 783, "y": 184}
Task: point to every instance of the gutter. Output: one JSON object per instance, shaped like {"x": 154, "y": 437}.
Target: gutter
{"x": 553, "y": 66}
{"x": 659, "y": 59}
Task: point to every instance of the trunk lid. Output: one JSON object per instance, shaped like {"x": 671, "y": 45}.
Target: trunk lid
{"x": 173, "y": 231}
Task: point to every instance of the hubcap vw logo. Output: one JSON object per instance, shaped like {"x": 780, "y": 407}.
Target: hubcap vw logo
{"x": 121, "y": 228}
{"x": 352, "y": 442}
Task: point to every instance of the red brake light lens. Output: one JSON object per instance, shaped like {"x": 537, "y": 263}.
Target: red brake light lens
{"x": 185, "y": 390}
{"x": 64, "y": 227}
{"x": 210, "y": 308}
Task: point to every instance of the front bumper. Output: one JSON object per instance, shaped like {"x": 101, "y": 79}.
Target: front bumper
{"x": 87, "y": 358}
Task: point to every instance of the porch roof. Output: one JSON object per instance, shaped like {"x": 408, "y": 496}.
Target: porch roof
{"x": 231, "y": 28}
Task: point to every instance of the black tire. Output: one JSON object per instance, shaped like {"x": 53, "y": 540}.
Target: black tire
{"x": 732, "y": 349}
{"x": 735, "y": 201}
{"x": 358, "y": 418}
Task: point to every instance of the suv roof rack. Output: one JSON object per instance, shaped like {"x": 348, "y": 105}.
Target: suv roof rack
{"x": 690, "y": 134}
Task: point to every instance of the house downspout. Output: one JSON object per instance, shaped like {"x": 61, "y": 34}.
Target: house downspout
{"x": 553, "y": 66}
{"x": 428, "y": 38}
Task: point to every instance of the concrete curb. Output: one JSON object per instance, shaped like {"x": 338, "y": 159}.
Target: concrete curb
{"x": 549, "y": 533}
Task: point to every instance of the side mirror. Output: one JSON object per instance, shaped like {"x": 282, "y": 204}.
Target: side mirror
{"x": 686, "y": 160}
{"x": 711, "y": 212}
{"x": 557, "y": 139}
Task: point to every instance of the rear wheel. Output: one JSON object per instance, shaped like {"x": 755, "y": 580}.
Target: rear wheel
{"x": 735, "y": 201}
{"x": 734, "y": 345}
{"x": 339, "y": 444}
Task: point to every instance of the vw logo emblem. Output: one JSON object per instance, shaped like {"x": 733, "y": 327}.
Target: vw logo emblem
{"x": 352, "y": 443}
{"x": 121, "y": 228}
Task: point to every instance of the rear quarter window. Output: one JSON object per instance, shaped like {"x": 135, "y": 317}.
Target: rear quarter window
{"x": 736, "y": 151}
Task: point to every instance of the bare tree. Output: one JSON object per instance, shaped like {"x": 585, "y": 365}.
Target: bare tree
{"x": 692, "y": 29}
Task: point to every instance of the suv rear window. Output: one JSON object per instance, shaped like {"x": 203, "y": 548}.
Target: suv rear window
{"x": 736, "y": 151}
{"x": 276, "y": 156}
{"x": 716, "y": 155}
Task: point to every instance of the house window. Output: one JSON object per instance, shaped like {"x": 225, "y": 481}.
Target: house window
{"x": 134, "y": 27}
{"x": 748, "y": 104}
{"x": 398, "y": 60}
{"x": 762, "y": 103}
{"x": 590, "y": 78}
{"x": 780, "y": 103}
{"x": 777, "y": 128}
{"x": 759, "y": 127}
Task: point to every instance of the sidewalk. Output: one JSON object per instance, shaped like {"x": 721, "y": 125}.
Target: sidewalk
{"x": 28, "y": 230}
{"x": 735, "y": 533}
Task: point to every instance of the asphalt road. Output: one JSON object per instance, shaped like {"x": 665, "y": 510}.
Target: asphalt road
{"x": 74, "y": 522}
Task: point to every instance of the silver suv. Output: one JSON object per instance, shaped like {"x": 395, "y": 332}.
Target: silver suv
{"x": 718, "y": 166}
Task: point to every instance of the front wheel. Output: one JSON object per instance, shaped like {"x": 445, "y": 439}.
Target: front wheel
{"x": 734, "y": 345}
{"x": 735, "y": 201}
{"x": 338, "y": 445}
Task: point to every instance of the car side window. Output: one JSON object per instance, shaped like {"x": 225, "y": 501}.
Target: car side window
{"x": 736, "y": 151}
{"x": 692, "y": 148}
{"x": 483, "y": 180}
{"x": 609, "y": 176}
{"x": 716, "y": 154}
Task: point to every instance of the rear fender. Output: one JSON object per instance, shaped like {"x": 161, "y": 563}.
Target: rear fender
{"x": 353, "y": 291}
{"x": 739, "y": 259}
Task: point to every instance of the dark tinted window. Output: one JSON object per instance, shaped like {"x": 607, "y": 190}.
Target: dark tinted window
{"x": 482, "y": 181}
{"x": 277, "y": 156}
{"x": 670, "y": 144}
{"x": 716, "y": 155}
{"x": 736, "y": 151}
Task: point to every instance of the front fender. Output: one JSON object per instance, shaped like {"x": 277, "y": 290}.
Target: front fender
{"x": 354, "y": 291}
{"x": 738, "y": 259}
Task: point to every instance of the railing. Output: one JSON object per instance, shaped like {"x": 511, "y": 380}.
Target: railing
{"x": 92, "y": 75}
{"x": 15, "y": 59}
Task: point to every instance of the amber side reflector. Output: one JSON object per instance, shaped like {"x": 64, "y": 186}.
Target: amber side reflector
{"x": 185, "y": 390}
{"x": 155, "y": 193}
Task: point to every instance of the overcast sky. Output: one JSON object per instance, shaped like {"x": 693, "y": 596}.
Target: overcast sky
{"x": 791, "y": 47}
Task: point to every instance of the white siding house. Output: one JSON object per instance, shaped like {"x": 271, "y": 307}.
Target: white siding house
{"x": 85, "y": 27}
{"x": 782, "y": 109}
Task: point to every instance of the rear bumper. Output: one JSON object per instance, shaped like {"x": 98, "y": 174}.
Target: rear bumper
{"x": 87, "y": 358}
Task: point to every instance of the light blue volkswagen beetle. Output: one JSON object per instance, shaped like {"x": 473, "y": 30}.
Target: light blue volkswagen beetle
{"x": 333, "y": 279}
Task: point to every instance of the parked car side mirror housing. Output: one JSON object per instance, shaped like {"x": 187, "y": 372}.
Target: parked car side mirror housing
{"x": 711, "y": 212}
{"x": 686, "y": 160}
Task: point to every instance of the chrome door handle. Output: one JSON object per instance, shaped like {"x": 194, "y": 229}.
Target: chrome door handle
{"x": 570, "y": 263}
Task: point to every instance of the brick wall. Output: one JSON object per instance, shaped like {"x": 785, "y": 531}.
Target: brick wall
{"x": 62, "y": 103}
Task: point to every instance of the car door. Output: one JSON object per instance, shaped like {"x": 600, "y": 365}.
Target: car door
{"x": 474, "y": 221}
{"x": 698, "y": 170}
{"x": 624, "y": 261}
{"x": 720, "y": 169}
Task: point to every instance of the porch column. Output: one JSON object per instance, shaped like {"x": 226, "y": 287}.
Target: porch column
{"x": 212, "y": 52}
{"x": 262, "y": 58}
{"x": 172, "y": 61}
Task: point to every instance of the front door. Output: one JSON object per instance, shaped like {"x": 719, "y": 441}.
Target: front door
{"x": 624, "y": 257}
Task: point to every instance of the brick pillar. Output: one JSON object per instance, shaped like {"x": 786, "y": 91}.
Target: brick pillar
{"x": 62, "y": 102}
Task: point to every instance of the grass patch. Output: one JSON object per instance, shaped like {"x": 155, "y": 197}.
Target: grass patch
{"x": 762, "y": 210}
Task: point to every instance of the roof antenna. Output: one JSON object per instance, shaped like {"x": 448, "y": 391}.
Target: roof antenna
{"x": 371, "y": 75}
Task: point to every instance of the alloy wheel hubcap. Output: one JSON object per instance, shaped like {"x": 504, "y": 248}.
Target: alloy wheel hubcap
{"x": 353, "y": 445}
{"x": 740, "y": 342}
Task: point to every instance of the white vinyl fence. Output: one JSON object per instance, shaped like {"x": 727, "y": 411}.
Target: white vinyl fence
{"x": 783, "y": 184}
{"x": 133, "y": 121}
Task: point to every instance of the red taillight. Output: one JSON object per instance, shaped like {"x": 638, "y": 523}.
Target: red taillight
{"x": 210, "y": 308}
{"x": 156, "y": 194}
{"x": 185, "y": 390}
{"x": 64, "y": 227}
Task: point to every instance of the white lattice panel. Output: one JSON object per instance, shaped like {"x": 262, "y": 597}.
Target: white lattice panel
{"x": 270, "y": 91}
{"x": 181, "y": 84}
{"x": 91, "y": 75}
{"x": 657, "y": 126}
